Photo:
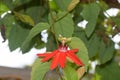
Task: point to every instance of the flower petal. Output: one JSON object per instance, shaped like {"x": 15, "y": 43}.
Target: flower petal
{"x": 42, "y": 54}
{"x": 73, "y": 50}
{"x": 73, "y": 57}
{"x": 55, "y": 61}
{"x": 48, "y": 56}
{"x": 62, "y": 59}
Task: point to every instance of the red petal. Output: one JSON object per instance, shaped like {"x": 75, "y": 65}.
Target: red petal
{"x": 55, "y": 61}
{"x": 62, "y": 59}
{"x": 73, "y": 50}
{"x": 42, "y": 54}
{"x": 49, "y": 56}
{"x": 75, "y": 58}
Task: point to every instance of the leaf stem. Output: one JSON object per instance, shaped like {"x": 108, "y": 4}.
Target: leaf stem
{"x": 62, "y": 17}
{"x": 53, "y": 23}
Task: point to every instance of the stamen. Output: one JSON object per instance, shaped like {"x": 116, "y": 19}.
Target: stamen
{"x": 63, "y": 48}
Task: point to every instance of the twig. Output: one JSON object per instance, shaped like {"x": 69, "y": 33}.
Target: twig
{"x": 53, "y": 22}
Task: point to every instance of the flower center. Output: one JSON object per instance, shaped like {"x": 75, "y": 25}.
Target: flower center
{"x": 63, "y": 48}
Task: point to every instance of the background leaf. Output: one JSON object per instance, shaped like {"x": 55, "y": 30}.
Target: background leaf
{"x": 34, "y": 32}
{"x": 81, "y": 72}
{"x": 72, "y": 5}
{"x": 20, "y": 2}
{"x": 82, "y": 53}
{"x": 39, "y": 43}
{"x": 8, "y": 3}
{"x": 39, "y": 69}
{"x": 93, "y": 45}
{"x": 8, "y": 21}
{"x": 3, "y": 8}
{"x": 62, "y": 4}
{"x": 90, "y": 13}
{"x": 70, "y": 73}
{"x": 109, "y": 71}
{"x": 51, "y": 44}
{"x": 117, "y": 21}
{"x": 24, "y": 18}
{"x": 62, "y": 27}
{"x": 16, "y": 37}
{"x": 38, "y": 13}
{"x": 106, "y": 52}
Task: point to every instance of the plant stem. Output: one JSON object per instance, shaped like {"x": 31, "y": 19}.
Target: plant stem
{"x": 53, "y": 23}
{"x": 62, "y": 17}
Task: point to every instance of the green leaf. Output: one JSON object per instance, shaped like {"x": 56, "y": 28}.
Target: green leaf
{"x": 77, "y": 17}
{"x": 16, "y": 5}
{"x": 8, "y": 21}
{"x": 117, "y": 21}
{"x": 104, "y": 5}
{"x": 106, "y": 52}
{"x": 3, "y": 8}
{"x": 39, "y": 69}
{"x": 65, "y": 26}
{"x": 20, "y": 2}
{"x": 62, "y": 4}
{"x": 70, "y": 73}
{"x": 110, "y": 71}
{"x": 90, "y": 13}
{"x": 39, "y": 43}
{"x": 50, "y": 19}
{"x": 8, "y": 3}
{"x": 38, "y": 13}
{"x": 34, "y": 31}
{"x": 53, "y": 6}
{"x": 80, "y": 33}
{"x": 93, "y": 46}
{"x": 82, "y": 53}
{"x": 96, "y": 77}
{"x": 16, "y": 36}
{"x": 51, "y": 43}
{"x": 72, "y": 5}
{"x": 24, "y": 18}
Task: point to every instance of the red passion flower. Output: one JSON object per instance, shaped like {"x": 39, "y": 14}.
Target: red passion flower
{"x": 59, "y": 57}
